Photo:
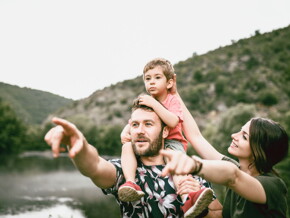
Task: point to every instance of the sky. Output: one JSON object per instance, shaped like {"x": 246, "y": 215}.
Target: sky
{"x": 74, "y": 47}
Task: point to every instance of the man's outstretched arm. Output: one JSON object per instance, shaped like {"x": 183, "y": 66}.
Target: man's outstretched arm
{"x": 84, "y": 155}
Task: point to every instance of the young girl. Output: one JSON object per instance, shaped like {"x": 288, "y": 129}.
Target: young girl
{"x": 158, "y": 77}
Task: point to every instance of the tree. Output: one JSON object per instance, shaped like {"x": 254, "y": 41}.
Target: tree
{"x": 12, "y": 134}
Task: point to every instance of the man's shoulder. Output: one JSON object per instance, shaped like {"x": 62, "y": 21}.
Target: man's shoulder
{"x": 115, "y": 161}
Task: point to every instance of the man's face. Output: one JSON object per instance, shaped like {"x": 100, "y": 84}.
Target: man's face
{"x": 146, "y": 133}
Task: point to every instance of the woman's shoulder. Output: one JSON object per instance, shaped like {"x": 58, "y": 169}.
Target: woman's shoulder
{"x": 226, "y": 158}
{"x": 272, "y": 181}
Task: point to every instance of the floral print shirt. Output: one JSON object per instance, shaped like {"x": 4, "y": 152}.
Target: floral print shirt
{"x": 160, "y": 198}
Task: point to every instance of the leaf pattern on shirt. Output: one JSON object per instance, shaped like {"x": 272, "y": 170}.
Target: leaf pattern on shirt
{"x": 160, "y": 198}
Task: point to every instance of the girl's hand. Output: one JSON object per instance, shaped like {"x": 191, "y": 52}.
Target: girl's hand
{"x": 173, "y": 89}
{"x": 125, "y": 134}
{"x": 188, "y": 184}
{"x": 147, "y": 100}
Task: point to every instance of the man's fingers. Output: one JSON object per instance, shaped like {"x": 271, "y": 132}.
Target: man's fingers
{"x": 76, "y": 148}
{"x": 64, "y": 133}
{"x": 56, "y": 138}
{"x": 47, "y": 137}
{"x": 67, "y": 126}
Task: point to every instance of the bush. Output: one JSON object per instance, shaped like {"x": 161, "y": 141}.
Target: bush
{"x": 268, "y": 98}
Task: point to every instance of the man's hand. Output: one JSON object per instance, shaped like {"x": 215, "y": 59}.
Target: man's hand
{"x": 65, "y": 133}
{"x": 178, "y": 163}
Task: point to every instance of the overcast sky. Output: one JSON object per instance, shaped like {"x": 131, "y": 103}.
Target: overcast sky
{"x": 73, "y": 48}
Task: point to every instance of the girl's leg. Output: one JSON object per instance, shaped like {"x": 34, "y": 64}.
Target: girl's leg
{"x": 129, "y": 191}
{"x": 129, "y": 162}
{"x": 195, "y": 202}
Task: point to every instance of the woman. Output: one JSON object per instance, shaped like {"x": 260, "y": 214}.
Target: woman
{"x": 255, "y": 190}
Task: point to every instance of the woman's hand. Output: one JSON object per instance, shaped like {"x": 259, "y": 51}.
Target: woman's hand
{"x": 178, "y": 163}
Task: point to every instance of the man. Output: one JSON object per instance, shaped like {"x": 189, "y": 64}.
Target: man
{"x": 147, "y": 133}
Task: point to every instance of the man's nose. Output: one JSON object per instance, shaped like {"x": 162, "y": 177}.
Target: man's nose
{"x": 140, "y": 129}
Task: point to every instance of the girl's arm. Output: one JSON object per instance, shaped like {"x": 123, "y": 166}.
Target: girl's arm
{"x": 169, "y": 118}
{"x": 192, "y": 132}
{"x": 194, "y": 136}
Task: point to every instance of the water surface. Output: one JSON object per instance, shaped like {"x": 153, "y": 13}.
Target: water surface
{"x": 36, "y": 185}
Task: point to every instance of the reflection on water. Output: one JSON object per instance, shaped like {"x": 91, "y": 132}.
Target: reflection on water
{"x": 51, "y": 212}
{"x": 39, "y": 186}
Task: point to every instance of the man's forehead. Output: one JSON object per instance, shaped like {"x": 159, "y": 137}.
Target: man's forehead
{"x": 141, "y": 115}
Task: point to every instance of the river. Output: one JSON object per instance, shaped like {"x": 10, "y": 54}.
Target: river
{"x": 35, "y": 185}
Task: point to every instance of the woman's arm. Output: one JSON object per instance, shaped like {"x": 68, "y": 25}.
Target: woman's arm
{"x": 215, "y": 209}
{"x": 216, "y": 171}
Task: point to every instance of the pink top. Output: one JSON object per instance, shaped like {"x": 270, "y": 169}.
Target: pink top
{"x": 172, "y": 104}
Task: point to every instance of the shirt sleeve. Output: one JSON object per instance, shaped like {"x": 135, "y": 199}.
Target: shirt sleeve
{"x": 276, "y": 191}
{"x": 225, "y": 158}
{"x": 174, "y": 106}
{"x": 119, "y": 179}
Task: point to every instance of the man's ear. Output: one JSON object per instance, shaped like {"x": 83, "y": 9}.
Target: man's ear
{"x": 169, "y": 83}
{"x": 165, "y": 132}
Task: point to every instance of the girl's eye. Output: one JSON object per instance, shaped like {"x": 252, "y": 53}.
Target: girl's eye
{"x": 148, "y": 124}
{"x": 244, "y": 137}
{"x": 134, "y": 124}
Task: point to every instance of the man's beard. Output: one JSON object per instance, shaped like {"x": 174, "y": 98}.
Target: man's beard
{"x": 153, "y": 149}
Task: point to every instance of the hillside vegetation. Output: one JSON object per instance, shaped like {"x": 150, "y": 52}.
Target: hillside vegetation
{"x": 251, "y": 74}
{"x": 31, "y": 106}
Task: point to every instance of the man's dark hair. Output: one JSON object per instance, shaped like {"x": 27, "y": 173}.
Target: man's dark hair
{"x": 136, "y": 105}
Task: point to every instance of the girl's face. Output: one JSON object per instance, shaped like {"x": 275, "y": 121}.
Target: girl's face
{"x": 240, "y": 146}
{"x": 156, "y": 83}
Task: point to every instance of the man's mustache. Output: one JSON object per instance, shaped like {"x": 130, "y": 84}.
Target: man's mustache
{"x": 141, "y": 138}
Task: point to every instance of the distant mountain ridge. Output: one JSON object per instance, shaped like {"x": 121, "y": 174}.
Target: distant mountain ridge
{"x": 250, "y": 71}
{"x": 31, "y": 106}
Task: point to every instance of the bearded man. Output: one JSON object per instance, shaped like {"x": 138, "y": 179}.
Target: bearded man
{"x": 147, "y": 135}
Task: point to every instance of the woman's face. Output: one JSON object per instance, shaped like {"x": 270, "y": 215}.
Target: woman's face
{"x": 240, "y": 146}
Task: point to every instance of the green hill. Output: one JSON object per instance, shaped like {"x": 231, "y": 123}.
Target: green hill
{"x": 31, "y": 106}
{"x": 253, "y": 71}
